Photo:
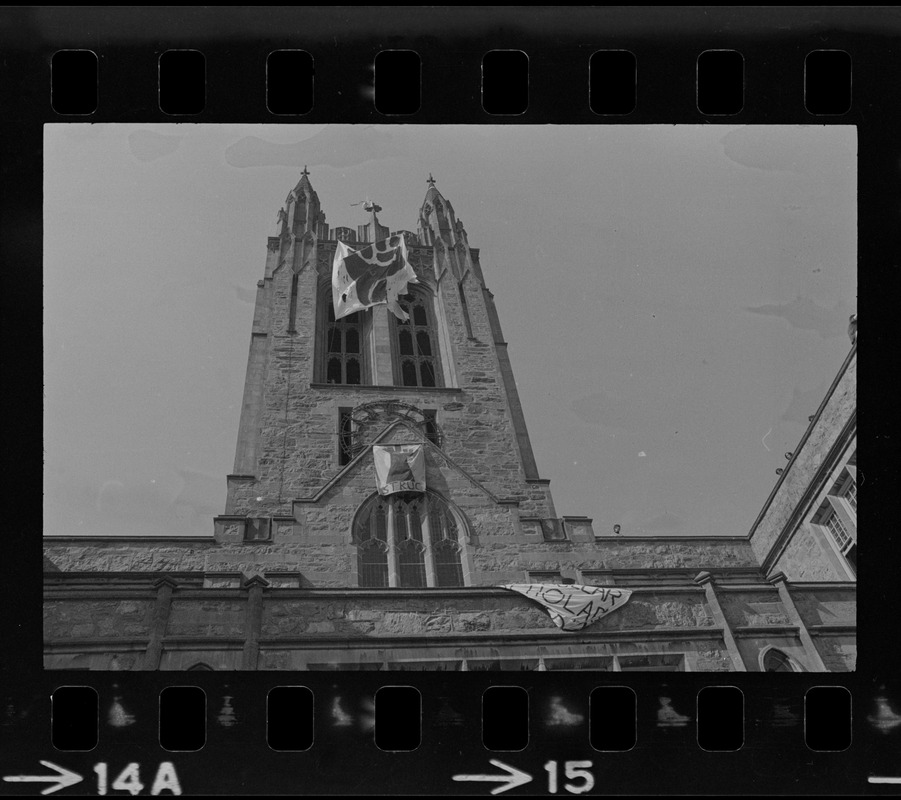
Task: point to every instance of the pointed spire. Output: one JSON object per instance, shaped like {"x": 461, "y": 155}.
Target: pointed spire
{"x": 304, "y": 182}
{"x": 302, "y": 206}
{"x": 436, "y": 216}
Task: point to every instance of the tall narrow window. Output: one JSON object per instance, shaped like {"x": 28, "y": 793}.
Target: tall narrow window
{"x": 445, "y": 546}
{"x": 343, "y": 347}
{"x": 345, "y": 436}
{"x": 838, "y": 515}
{"x": 411, "y": 564}
{"x": 415, "y": 343}
{"x": 371, "y": 534}
{"x": 850, "y": 494}
{"x": 408, "y": 540}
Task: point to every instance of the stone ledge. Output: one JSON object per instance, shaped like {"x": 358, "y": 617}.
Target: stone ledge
{"x": 93, "y": 644}
{"x": 49, "y": 540}
{"x": 626, "y": 539}
{"x": 365, "y": 387}
{"x": 58, "y": 594}
{"x": 320, "y": 641}
{"x": 346, "y": 593}
{"x": 750, "y": 631}
{"x": 810, "y": 586}
{"x": 90, "y": 578}
{"x": 831, "y": 630}
{"x": 738, "y": 588}
{"x": 477, "y": 639}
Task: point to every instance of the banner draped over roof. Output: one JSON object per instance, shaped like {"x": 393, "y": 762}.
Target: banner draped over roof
{"x": 399, "y": 468}
{"x": 571, "y": 606}
{"x": 378, "y": 273}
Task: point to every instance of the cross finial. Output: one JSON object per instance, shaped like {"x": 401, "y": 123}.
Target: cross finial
{"x": 431, "y": 180}
{"x": 305, "y": 171}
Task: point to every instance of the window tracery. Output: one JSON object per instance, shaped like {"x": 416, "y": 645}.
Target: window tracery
{"x": 414, "y": 343}
{"x": 774, "y": 660}
{"x": 344, "y": 352}
{"x": 408, "y": 540}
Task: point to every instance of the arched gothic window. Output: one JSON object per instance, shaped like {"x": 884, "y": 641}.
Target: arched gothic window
{"x": 343, "y": 355}
{"x": 415, "y": 343}
{"x": 408, "y": 540}
{"x": 774, "y": 660}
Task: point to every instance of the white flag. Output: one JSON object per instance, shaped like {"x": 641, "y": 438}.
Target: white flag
{"x": 573, "y": 607}
{"x": 399, "y": 468}
{"x": 378, "y": 273}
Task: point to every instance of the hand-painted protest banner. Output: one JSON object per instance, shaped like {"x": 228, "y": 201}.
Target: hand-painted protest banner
{"x": 571, "y": 606}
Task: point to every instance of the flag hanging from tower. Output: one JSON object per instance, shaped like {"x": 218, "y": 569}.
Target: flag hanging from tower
{"x": 399, "y": 468}
{"x": 378, "y": 273}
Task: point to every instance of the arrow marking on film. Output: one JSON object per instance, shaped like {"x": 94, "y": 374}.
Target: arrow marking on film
{"x": 513, "y": 778}
{"x": 63, "y": 778}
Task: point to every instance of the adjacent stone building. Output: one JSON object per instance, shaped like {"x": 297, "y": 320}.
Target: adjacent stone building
{"x": 310, "y": 568}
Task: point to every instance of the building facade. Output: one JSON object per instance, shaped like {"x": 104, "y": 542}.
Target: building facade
{"x": 310, "y": 568}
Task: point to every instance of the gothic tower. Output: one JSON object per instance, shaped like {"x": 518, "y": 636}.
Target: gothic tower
{"x": 321, "y": 392}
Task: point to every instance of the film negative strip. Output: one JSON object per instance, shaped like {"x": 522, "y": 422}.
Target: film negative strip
{"x": 388, "y": 601}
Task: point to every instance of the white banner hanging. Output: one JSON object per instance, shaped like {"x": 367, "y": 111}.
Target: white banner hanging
{"x": 571, "y": 606}
{"x": 399, "y": 468}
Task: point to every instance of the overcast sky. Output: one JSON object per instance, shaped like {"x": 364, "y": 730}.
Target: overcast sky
{"x": 675, "y": 299}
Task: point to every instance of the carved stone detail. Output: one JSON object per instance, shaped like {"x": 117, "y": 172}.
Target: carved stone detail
{"x": 368, "y": 419}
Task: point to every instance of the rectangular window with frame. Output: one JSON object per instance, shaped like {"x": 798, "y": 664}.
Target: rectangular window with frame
{"x": 838, "y": 520}
{"x": 257, "y": 529}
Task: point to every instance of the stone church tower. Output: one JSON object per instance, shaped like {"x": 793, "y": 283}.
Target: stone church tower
{"x": 321, "y": 392}
{"x": 310, "y": 568}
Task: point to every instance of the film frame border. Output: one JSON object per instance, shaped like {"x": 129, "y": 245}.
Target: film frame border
{"x": 666, "y": 46}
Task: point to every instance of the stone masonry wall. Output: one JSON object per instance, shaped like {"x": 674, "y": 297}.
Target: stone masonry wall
{"x": 210, "y": 626}
{"x": 298, "y": 431}
{"x": 751, "y": 648}
{"x": 318, "y": 546}
{"x": 807, "y": 559}
{"x": 826, "y": 605}
{"x": 323, "y": 627}
{"x": 96, "y": 618}
{"x": 839, "y": 653}
{"x": 753, "y": 608}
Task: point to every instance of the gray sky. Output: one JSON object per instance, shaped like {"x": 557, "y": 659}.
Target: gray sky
{"x": 676, "y": 301}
